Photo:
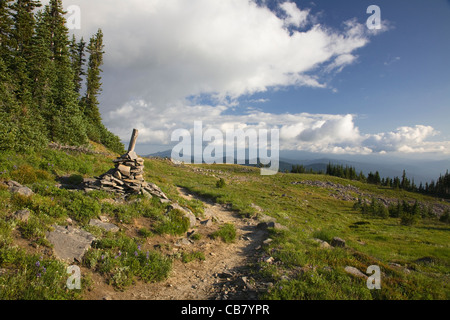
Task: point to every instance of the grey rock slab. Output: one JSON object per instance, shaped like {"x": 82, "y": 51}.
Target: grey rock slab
{"x": 186, "y": 212}
{"x": 69, "y": 243}
{"x": 104, "y": 225}
{"x": 22, "y": 215}
{"x": 15, "y": 187}
{"x": 355, "y": 272}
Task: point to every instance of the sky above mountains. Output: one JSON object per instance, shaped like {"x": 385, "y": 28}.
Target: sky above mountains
{"x": 312, "y": 69}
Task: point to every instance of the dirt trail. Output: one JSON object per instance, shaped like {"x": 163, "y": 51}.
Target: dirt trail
{"x": 222, "y": 275}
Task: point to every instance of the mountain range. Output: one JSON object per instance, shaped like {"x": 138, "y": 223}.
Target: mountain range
{"x": 417, "y": 169}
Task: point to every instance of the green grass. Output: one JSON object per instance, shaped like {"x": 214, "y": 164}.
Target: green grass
{"x": 121, "y": 260}
{"x": 187, "y": 257}
{"x": 226, "y": 232}
{"x": 302, "y": 270}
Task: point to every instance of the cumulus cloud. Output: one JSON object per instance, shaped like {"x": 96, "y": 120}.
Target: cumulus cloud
{"x": 163, "y": 56}
{"x": 165, "y": 51}
{"x": 322, "y": 133}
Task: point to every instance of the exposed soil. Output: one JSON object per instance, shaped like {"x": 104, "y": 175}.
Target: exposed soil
{"x": 224, "y": 274}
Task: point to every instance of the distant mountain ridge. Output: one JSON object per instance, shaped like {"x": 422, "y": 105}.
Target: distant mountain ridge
{"x": 420, "y": 170}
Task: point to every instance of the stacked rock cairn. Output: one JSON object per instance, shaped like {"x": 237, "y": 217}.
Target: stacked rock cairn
{"x": 127, "y": 177}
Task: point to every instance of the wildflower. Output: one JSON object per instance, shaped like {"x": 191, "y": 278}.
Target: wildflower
{"x": 44, "y": 269}
{"x": 103, "y": 257}
{"x": 147, "y": 255}
{"x": 135, "y": 253}
{"x": 120, "y": 253}
{"x": 38, "y": 264}
{"x": 15, "y": 167}
{"x": 38, "y": 275}
{"x": 139, "y": 248}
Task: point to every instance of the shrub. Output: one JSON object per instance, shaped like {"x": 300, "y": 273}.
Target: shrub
{"x": 191, "y": 256}
{"x": 174, "y": 223}
{"x": 408, "y": 219}
{"x": 445, "y": 217}
{"x": 24, "y": 174}
{"x": 220, "y": 183}
{"x": 227, "y": 233}
{"x": 324, "y": 234}
{"x": 75, "y": 179}
{"x": 83, "y": 209}
{"x": 121, "y": 260}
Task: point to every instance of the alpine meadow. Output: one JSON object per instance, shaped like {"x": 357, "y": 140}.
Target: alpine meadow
{"x": 85, "y": 215}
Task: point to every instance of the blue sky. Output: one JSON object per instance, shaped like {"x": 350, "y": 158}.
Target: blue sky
{"x": 309, "y": 68}
{"x": 402, "y": 77}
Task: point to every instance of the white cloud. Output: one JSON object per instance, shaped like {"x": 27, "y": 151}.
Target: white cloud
{"x": 165, "y": 51}
{"x": 163, "y": 56}
{"x": 322, "y": 133}
{"x": 294, "y": 16}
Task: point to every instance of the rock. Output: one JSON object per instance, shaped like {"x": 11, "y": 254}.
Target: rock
{"x": 15, "y": 187}
{"x": 183, "y": 242}
{"x": 207, "y": 223}
{"x": 269, "y": 259}
{"x": 355, "y": 272}
{"x": 267, "y": 241}
{"x": 425, "y": 260}
{"x": 271, "y": 224}
{"x": 69, "y": 243}
{"x": 322, "y": 244}
{"x": 186, "y": 212}
{"x": 22, "y": 215}
{"x": 124, "y": 170}
{"x": 104, "y": 225}
{"x": 338, "y": 242}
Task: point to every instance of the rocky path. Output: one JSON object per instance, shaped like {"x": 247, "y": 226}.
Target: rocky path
{"x": 224, "y": 273}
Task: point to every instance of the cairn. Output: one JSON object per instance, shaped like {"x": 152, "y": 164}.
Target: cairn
{"x": 127, "y": 177}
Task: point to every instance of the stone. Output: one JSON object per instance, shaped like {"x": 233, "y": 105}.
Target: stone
{"x": 15, "y": 187}
{"x": 124, "y": 170}
{"x": 104, "y": 225}
{"x": 271, "y": 224}
{"x": 69, "y": 244}
{"x": 132, "y": 155}
{"x": 186, "y": 212}
{"x": 22, "y": 215}
{"x": 207, "y": 223}
{"x": 183, "y": 242}
{"x": 269, "y": 259}
{"x": 355, "y": 272}
{"x": 338, "y": 242}
{"x": 322, "y": 244}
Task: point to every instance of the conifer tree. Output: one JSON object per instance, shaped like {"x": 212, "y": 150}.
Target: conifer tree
{"x": 6, "y": 29}
{"x": 77, "y": 55}
{"x": 64, "y": 119}
{"x": 93, "y": 84}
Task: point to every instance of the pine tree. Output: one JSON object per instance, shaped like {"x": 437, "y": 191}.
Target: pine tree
{"x": 24, "y": 27}
{"x": 77, "y": 55}
{"x": 6, "y": 29}
{"x": 93, "y": 84}
{"x": 63, "y": 117}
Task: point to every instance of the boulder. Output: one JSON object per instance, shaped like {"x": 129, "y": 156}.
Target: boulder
{"x": 322, "y": 244}
{"x": 69, "y": 244}
{"x": 355, "y": 272}
{"x": 186, "y": 212}
{"x": 104, "y": 225}
{"x": 338, "y": 242}
{"x": 22, "y": 215}
{"x": 15, "y": 187}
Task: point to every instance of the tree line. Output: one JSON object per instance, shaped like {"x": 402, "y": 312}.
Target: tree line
{"x": 440, "y": 187}
{"x": 42, "y": 73}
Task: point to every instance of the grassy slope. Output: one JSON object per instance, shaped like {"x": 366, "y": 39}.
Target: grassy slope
{"x": 301, "y": 270}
